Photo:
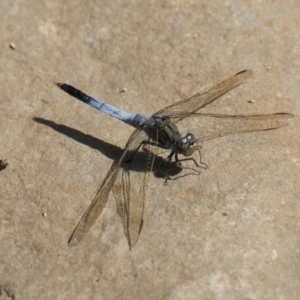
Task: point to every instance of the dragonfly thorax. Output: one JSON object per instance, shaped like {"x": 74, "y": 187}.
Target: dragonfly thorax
{"x": 163, "y": 132}
{"x": 166, "y": 134}
{"x": 186, "y": 145}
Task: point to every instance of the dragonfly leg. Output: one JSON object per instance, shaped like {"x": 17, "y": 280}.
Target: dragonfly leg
{"x": 178, "y": 161}
{"x": 163, "y": 170}
{"x": 201, "y": 162}
{"x": 178, "y": 164}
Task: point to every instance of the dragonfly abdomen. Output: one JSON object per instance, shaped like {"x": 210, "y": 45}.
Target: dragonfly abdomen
{"x": 134, "y": 120}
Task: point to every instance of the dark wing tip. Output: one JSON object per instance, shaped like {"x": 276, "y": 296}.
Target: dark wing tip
{"x": 72, "y": 242}
{"x": 287, "y": 114}
{"x": 244, "y": 71}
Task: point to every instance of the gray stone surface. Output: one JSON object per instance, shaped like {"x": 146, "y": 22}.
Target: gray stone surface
{"x": 230, "y": 233}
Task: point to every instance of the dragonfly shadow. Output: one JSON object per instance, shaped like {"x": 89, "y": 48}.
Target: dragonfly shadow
{"x": 109, "y": 150}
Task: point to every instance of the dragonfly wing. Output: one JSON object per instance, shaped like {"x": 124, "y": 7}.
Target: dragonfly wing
{"x": 129, "y": 191}
{"x": 96, "y": 207}
{"x": 211, "y": 126}
{"x": 183, "y": 108}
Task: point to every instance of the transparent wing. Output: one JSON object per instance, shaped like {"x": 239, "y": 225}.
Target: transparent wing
{"x": 129, "y": 191}
{"x": 185, "y": 107}
{"x": 96, "y": 207}
{"x": 211, "y": 126}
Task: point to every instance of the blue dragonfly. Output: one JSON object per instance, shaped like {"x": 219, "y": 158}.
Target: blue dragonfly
{"x": 160, "y": 129}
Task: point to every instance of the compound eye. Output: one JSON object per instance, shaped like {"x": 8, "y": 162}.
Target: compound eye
{"x": 191, "y": 138}
{"x": 183, "y": 144}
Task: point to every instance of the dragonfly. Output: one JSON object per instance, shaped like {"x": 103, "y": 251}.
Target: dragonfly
{"x": 160, "y": 130}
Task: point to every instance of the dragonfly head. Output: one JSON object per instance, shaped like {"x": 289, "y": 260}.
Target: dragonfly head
{"x": 186, "y": 145}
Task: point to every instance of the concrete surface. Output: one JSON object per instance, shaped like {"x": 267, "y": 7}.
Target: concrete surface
{"x": 230, "y": 233}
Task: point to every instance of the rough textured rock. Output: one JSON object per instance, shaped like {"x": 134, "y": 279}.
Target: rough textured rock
{"x": 230, "y": 233}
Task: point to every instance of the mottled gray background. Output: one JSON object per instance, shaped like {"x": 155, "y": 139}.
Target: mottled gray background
{"x": 230, "y": 233}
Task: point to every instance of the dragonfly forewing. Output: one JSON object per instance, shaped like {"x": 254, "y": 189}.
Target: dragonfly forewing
{"x": 182, "y": 109}
{"x": 129, "y": 191}
{"x": 99, "y": 202}
{"x": 218, "y": 125}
